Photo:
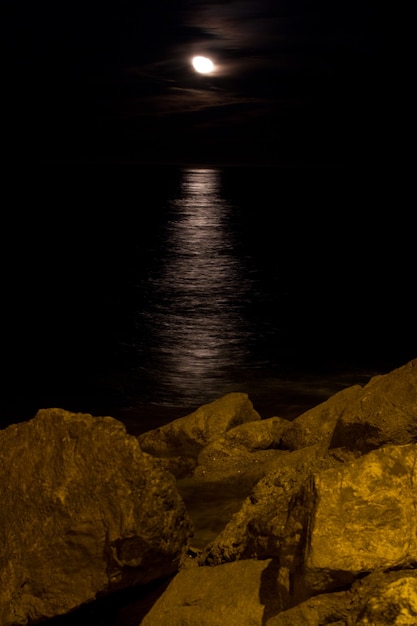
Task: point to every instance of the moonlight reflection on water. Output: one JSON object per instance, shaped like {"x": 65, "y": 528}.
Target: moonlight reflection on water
{"x": 197, "y": 293}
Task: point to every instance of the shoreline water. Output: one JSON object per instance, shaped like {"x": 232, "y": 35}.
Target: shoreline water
{"x": 286, "y": 396}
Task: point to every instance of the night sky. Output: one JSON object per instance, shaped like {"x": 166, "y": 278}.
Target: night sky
{"x": 296, "y": 81}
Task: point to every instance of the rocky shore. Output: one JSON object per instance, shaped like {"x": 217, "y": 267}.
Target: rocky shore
{"x": 317, "y": 523}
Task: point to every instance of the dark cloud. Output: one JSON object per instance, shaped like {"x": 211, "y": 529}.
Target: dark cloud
{"x": 293, "y": 79}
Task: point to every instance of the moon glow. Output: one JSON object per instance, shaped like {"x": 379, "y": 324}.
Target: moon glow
{"x": 203, "y": 65}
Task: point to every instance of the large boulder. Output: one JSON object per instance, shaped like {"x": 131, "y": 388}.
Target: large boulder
{"x": 244, "y": 593}
{"x": 255, "y": 435}
{"x": 384, "y": 413}
{"x": 317, "y": 424}
{"x": 84, "y": 512}
{"x": 354, "y": 519}
{"x": 179, "y": 443}
{"x": 253, "y": 593}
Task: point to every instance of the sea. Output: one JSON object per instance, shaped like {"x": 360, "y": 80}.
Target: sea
{"x": 143, "y": 291}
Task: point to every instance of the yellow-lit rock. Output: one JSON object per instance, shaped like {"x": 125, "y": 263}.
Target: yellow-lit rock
{"x": 243, "y": 593}
{"x": 247, "y": 449}
{"x": 394, "y": 603}
{"x": 258, "y": 528}
{"x": 186, "y": 436}
{"x": 317, "y": 424}
{"x": 83, "y": 512}
{"x": 384, "y": 413}
{"x": 362, "y": 517}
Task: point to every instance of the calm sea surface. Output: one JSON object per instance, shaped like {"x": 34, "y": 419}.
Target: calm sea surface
{"x": 144, "y": 292}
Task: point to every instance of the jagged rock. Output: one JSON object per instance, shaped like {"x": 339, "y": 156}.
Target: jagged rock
{"x": 257, "y": 529}
{"x": 83, "y": 513}
{"x": 327, "y": 608}
{"x": 389, "y": 600}
{"x": 244, "y": 452}
{"x": 317, "y": 424}
{"x": 253, "y": 436}
{"x": 253, "y": 593}
{"x": 384, "y": 413}
{"x": 244, "y": 593}
{"x": 354, "y": 519}
{"x": 379, "y": 599}
{"x": 186, "y": 436}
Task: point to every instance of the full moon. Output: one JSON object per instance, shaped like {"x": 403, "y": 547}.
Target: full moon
{"x": 203, "y": 65}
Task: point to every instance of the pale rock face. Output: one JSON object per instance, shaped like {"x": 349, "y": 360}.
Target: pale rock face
{"x": 243, "y": 593}
{"x": 83, "y": 511}
{"x": 362, "y": 517}
{"x": 394, "y": 603}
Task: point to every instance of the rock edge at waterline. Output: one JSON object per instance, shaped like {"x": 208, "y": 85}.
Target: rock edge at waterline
{"x": 321, "y": 530}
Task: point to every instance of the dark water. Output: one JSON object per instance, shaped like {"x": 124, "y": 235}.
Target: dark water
{"x": 144, "y": 292}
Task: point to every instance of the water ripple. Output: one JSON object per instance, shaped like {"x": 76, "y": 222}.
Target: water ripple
{"x": 196, "y": 295}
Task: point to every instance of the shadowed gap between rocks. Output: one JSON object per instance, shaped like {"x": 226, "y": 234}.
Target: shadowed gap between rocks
{"x": 123, "y": 608}
{"x": 272, "y": 593}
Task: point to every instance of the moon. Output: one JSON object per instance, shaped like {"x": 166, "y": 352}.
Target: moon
{"x": 203, "y": 65}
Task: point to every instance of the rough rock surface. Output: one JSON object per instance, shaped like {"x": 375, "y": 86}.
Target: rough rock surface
{"x": 384, "y": 413}
{"x": 257, "y": 529}
{"x": 244, "y": 593}
{"x": 360, "y": 518}
{"x": 317, "y": 424}
{"x": 83, "y": 512}
{"x": 252, "y": 436}
{"x": 245, "y": 452}
{"x": 185, "y": 437}
{"x": 327, "y": 608}
{"x": 392, "y": 601}
{"x": 379, "y": 599}
{"x": 314, "y": 521}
